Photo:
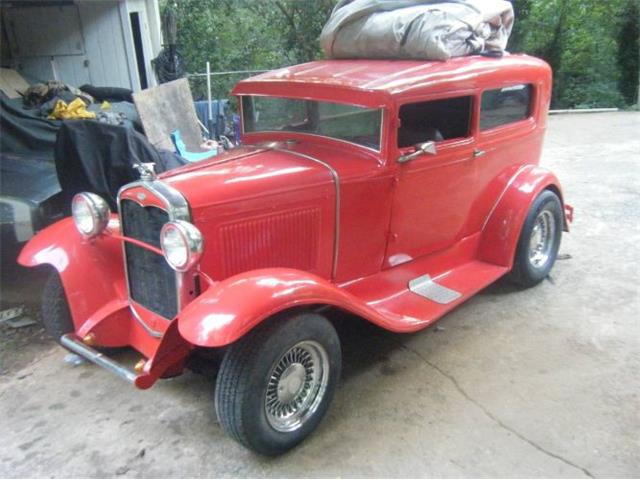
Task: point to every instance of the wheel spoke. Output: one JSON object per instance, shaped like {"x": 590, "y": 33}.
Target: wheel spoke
{"x": 296, "y": 386}
{"x": 542, "y": 239}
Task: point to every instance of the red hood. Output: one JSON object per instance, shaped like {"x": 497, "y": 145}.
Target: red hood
{"x": 244, "y": 173}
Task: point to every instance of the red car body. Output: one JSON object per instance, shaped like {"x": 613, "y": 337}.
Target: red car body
{"x": 291, "y": 219}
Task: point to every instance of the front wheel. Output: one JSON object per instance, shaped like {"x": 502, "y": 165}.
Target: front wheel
{"x": 55, "y": 314}
{"x": 539, "y": 240}
{"x": 276, "y": 383}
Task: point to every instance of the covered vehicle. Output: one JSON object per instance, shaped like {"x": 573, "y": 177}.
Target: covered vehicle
{"x": 390, "y": 190}
{"x": 30, "y": 199}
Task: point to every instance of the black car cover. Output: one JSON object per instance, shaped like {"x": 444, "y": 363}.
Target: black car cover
{"x": 100, "y": 158}
{"x": 24, "y": 131}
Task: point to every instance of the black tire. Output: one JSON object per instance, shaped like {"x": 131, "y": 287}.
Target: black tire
{"x": 241, "y": 387}
{"x": 525, "y": 273}
{"x": 56, "y": 317}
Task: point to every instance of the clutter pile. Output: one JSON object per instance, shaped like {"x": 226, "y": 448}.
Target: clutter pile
{"x": 65, "y": 140}
{"x": 31, "y": 115}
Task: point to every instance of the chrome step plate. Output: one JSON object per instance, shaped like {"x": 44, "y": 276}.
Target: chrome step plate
{"x": 427, "y": 288}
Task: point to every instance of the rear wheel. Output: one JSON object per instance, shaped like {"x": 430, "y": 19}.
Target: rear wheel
{"x": 539, "y": 240}
{"x": 276, "y": 383}
{"x": 55, "y": 314}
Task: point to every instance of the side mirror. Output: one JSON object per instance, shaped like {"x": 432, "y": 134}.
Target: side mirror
{"x": 421, "y": 149}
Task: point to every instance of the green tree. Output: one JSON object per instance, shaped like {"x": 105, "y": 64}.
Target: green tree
{"x": 580, "y": 40}
{"x": 245, "y": 35}
{"x": 591, "y": 45}
{"x": 629, "y": 52}
{"x": 300, "y": 22}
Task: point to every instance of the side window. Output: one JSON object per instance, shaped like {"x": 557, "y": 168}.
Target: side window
{"x": 505, "y": 105}
{"x": 435, "y": 120}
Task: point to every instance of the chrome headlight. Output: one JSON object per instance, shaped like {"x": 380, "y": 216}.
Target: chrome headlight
{"x": 182, "y": 244}
{"x": 90, "y": 214}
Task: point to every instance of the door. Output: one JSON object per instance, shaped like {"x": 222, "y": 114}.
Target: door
{"x": 47, "y": 43}
{"x": 433, "y": 192}
{"x": 510, "y": 136}
{"x": 141, "y": 42}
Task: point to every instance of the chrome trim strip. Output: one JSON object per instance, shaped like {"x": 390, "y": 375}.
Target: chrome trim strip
{"x": 138, "y": 318}
{"x": 70, "y": 342}
{"x": 177, "y": 208}
{"x": 497, "y": 202}
{"x": 336, "y": 181}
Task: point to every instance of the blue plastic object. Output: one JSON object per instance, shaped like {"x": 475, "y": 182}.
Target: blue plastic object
{"x": 181, "y": 148}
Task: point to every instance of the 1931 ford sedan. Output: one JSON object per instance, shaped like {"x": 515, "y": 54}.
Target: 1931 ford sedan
{"x": 392, "y": 190}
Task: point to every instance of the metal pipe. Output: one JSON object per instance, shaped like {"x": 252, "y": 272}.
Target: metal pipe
{"x": 71, "y": 342}
{"x": 210, "y": 106}
{"x": 230, "y": 72}
{"x": 582, "y": 110}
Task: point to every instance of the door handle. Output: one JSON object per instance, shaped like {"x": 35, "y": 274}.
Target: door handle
{"x": 478, "y": 153}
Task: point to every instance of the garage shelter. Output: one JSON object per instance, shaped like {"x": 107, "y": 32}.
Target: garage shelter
{"x": 102, "y": 43}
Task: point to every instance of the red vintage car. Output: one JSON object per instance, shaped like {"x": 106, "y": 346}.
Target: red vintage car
{"x": 392, "y": 190}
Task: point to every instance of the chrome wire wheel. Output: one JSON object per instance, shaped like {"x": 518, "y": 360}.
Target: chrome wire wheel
{"x": 297, "y": 384}
{"x": 542, "y": 239}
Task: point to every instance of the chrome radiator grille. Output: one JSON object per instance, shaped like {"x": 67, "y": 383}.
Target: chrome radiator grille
{"x": 152, "y": 282}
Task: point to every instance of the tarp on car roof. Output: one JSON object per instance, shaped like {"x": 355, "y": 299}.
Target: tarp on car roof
{"x": 417, "y": 29}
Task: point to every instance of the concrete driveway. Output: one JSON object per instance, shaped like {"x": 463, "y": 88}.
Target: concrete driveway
{"x": 536, "y": 383}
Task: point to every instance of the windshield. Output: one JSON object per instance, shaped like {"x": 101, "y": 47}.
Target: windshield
{"x": 344, "y": 122}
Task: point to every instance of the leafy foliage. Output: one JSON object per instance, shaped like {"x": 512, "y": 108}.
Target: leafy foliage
{"x": 592, "y": 45}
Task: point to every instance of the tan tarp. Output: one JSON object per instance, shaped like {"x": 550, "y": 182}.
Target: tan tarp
{"x": 12, "y": 83}
{"x": 420, "y": 29}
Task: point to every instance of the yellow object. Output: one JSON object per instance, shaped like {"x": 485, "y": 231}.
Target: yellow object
{"x": 105, "y": 105}
{"x": 75, "y": 109}
{"x": 140, "y": 365}
{"x": 90, "y": 339}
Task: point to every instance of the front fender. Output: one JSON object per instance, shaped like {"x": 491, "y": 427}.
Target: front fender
{"x": 92, "y": 271}
{"x": 230, "y": 308}
{"x": 501, "y": 231}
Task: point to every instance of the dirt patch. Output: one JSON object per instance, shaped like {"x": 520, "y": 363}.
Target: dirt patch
{"x": 19, "y": 346}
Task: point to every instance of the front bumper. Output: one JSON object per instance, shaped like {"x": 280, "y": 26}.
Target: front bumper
{"x": 74, "y": 344}
{"x": 162, "y": 356}
{"x": 568, "y": 216}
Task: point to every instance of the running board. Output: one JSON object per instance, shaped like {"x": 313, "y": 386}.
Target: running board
{"x": 427, "y": 288}
{"x": 407, "y": 299}
{"x": 72, "y": 343}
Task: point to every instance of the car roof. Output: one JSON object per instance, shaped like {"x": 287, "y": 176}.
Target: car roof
{"x": 393, "y": 77}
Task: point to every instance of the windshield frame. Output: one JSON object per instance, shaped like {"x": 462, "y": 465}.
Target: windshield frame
{"x": 381, "y": 133}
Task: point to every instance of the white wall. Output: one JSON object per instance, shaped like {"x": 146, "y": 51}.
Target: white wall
{"x": 40, "y": 35}
{"x": 86, "y": 42}
{"x": 104, "y": 39}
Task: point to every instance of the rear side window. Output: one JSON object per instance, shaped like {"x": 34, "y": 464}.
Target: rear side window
{"x": 505, "y": 105}
{"x": 435, "y": 120}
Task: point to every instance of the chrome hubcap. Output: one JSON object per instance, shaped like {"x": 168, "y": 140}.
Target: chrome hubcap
{"x": 542, "y": 239}
{"x": 297, "y": 384}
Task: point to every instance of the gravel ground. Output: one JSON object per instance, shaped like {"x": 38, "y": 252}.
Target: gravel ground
{"x": 536, "y": 383}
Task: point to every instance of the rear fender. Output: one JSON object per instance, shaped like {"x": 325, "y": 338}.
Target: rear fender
{"x": 230, "y": 308}
{"x": 91, "y": 270}
{"x": 502, "y": 229}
